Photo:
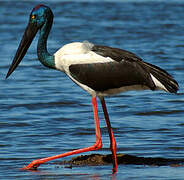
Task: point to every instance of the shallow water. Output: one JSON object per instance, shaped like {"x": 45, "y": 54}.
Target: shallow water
{"x": 43, "y": 113}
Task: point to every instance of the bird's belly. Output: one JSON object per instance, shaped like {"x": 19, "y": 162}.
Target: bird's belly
{"x": 113, "y": 91}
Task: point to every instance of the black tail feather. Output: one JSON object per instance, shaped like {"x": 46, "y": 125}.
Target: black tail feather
{"x": 164, "y": 77}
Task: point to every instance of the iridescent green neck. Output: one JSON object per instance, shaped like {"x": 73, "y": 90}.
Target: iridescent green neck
{"x": 45, "y": 58}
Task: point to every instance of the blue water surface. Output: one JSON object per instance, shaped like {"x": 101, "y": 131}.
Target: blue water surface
{"x": 43, "y": 113}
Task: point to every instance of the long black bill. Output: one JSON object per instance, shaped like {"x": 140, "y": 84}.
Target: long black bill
{"x": 27, "y": 38}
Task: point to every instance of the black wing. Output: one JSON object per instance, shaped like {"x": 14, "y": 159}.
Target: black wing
{"x": 126, "y": 70}
{"x": 105, "y": 76}
{"x": 115, "y": 53}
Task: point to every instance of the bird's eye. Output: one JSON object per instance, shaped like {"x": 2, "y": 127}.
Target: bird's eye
{"x": 33, "y": 16}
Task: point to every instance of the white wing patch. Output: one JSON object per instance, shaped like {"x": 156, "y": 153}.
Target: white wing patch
{"x": 158, "y": 84}
{"x": 77, "y": 53}
{"x": 74, "y": 48}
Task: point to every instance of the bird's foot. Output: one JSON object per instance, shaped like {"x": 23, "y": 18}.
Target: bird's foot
{"x": 33, "y": 165}
{"x": 114, "y": 170}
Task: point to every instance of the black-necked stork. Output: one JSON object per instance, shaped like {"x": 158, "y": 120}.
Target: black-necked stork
{"x": 100, "y": 70}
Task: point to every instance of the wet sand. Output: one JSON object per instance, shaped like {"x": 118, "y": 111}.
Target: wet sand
{"x": 101, "y": 159}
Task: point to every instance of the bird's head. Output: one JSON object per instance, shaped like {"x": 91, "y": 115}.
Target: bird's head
{"x": 40, "y": 15}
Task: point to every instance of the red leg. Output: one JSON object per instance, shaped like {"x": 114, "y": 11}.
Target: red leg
{"x": 34, "y": 164}
{"x": 111, "y": 135}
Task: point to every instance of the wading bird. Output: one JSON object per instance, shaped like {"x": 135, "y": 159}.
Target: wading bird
{"x": 100, "y": 70}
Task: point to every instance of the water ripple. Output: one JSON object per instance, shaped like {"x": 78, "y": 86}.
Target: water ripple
{"x": 44, "y": 113}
